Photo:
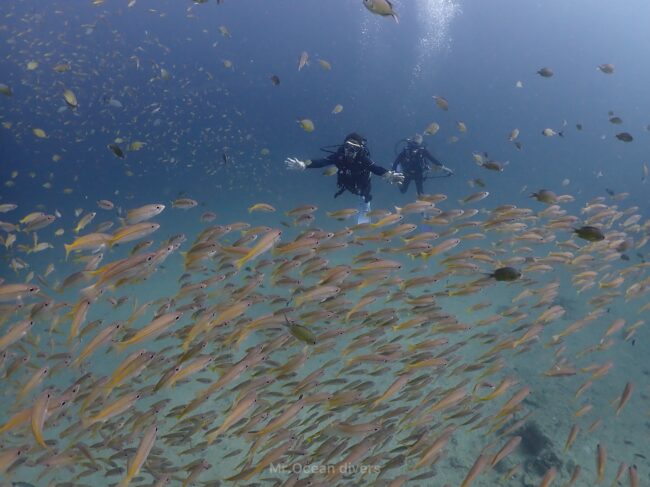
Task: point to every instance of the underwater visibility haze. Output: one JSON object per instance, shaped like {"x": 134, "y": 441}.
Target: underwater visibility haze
{"x": 318, "y": 243}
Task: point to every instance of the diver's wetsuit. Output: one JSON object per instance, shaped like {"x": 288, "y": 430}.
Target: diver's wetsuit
{"x": 353, "y": 175}
{"x": 414, "y": 162}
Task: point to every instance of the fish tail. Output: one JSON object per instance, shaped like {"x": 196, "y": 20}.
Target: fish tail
{"x": 239, "y": 263}
{"x": 120, "y": 346}
{"x": 68, "y": 249}
{"x": 39, "y": 439}
{"x": 394, "y": 15}
{"x": 90, "y": 292}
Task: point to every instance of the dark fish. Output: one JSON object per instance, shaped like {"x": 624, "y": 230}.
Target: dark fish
{"x": 493, "y": 166}
{"x": 610, "y": 191}
{"x": 579, "y": 126}
{"x": 625, "y": 137}
{"x": 545, "y": 196}
{"x": 232, "y": 453}
{"x": 275, "y": 80}
{"x": 479, "y": 182}
{"x": 606, "y": 68}
{"x": 300, "y": 332}
{"x": 616, "y": 120}
{"x": 506, "y": 274}
{"x": 225, "y": 158}
{"x": 141, "y": 246}
{"x": 115, "y": 149}
{"x": 589, "y": 233}
{"x": 545, "y": 72}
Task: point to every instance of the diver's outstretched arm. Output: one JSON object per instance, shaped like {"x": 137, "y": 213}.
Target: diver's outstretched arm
{"x": 439, "y": 165}
{"x": 296, "y": 164}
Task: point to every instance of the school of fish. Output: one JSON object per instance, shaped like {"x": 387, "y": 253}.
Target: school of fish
{"x": 380, "y": 354}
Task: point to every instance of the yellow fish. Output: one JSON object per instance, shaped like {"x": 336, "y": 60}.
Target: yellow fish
{"x": 306, "y": 124}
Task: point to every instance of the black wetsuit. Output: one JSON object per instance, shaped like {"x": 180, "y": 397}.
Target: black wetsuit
{"x": 414, "y": 162}
{"x": 352, "y": 175}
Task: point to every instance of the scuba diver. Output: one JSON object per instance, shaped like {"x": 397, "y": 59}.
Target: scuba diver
{"x": 414, "y": 161}
{"x": 354, "y": 168}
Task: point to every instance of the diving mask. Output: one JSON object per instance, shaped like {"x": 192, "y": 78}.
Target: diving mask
{"x": 351, "y": 148}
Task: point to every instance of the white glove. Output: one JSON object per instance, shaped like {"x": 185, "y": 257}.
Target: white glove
{"x": 295, "y": 164}
{"x": 394, "y": 177}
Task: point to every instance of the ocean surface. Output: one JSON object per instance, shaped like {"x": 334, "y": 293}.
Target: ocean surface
{"x": 178, "y": 307}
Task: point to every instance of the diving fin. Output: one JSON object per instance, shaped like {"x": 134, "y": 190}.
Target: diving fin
{"x": 364, "y": 209}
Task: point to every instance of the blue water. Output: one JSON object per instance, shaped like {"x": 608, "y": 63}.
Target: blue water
{"x": 385, "y": 75}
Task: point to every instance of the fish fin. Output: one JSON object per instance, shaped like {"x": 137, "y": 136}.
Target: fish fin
{"x": 90, "y": 292}
{"x": 68, "y": 249}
